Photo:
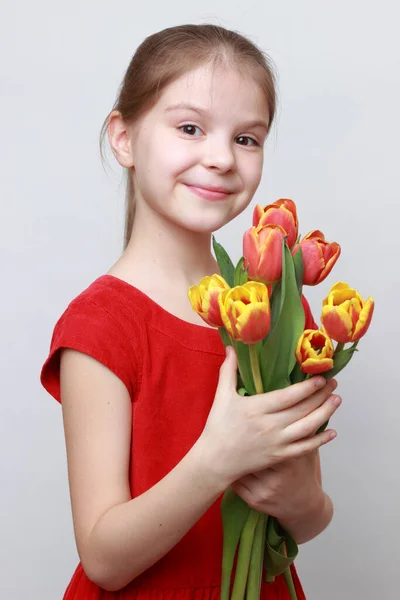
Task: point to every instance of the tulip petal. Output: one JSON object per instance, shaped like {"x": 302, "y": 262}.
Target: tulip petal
{"x": 314, "y": 366}
{"x": 337, "y": 323}
{"x": 283, "y": 218}
{"x": 257, "y": 214}
{"x": 270, "y": 262}
{"x": 251, "y": 252}
{"x": 313, "y": 261}
{"x": 364, "y": 319}
{"x": 254, "y": 323}
{"x": 316, "y": 234}
{"x": 331, "y": 254}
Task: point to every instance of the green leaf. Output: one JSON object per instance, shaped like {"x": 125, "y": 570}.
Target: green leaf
{"x": 226, "y": 339}
{"x": 340, "y": 360}
{"x": 234, "y": 512}
{"x": 277, "y": 558}
{"x": 297, "y": 375}
{"x": 299, "y": 269}
{"x": 278, "y": 352}
{"x": 224, "y": 262}
{"x": 276, "y": 303}
{"x": 241, "y": 274}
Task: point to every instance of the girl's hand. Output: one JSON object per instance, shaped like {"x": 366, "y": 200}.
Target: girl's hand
{"x": 285, "y": 491}
{"x": 249, "y": 434}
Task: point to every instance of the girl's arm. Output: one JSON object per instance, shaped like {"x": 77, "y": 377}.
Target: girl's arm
{"x": 119, "y": 537}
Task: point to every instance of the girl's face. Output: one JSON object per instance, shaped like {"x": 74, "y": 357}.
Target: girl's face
{"x": 197, "y": 154}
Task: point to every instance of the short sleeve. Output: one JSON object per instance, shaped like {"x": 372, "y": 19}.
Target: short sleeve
{"x": 309, "y": 319}
{"x": 90, "y": 328}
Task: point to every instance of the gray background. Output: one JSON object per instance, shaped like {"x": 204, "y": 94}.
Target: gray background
{"x": 334, "y": 150}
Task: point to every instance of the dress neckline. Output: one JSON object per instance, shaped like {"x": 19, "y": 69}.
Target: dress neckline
{"x": 199, "y": 336}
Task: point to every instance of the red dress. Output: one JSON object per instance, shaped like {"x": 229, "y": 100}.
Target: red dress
{"x": 170, "y": 368}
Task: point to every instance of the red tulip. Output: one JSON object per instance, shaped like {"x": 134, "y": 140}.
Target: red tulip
{"x": 282, "y": 212}
{"x": 262, "y": 251}
{"x": 319, "y": 257}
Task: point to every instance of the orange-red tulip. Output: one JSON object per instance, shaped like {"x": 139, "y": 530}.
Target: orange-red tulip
{"x": 314, "y": 352}
{"x": 282, "y": 212}
{"x": 204, "y": 299}
{"x": 319, "y": 257}
{"x": 345, "y": 315}
{"x": 262, "y": 250}
{"x": 245, "y": 312}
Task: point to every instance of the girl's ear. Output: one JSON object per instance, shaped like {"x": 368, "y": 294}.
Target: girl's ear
{"x": 119, "y": 138}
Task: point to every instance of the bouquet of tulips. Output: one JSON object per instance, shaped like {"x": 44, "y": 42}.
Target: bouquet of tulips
{"x": 257, "y": 307}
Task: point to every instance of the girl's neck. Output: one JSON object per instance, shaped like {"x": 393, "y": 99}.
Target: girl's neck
{"x": 167, "y": 255}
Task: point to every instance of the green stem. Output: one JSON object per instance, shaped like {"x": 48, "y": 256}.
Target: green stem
{"x": 339, "y": 348}
{"x": 288, "y": 579}
{"x": 257, "y": 559}
{"x": 289, "y": 582}
{"x": 243, "y": 561}
{"x": 255, "y": 368}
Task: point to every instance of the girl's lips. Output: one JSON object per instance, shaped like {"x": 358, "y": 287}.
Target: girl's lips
{"x": 208, "y": 194}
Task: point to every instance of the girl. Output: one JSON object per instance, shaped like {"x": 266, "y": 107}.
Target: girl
{"x": 155, "y": 431}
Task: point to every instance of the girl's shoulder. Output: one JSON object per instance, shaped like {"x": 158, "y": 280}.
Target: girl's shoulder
{"x": 105, "y": 323}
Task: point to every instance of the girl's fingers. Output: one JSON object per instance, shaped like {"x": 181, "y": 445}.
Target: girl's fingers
{"x": 279, "y": 400}
{"x": 307, "y": 426}
{"x": 307, "y": 406}
{"x": 309, "y": 444}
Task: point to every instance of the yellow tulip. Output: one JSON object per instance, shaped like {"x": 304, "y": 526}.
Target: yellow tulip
{"x": 245, "y": 311}
{"x": 345, "y": 315}
{"x": 314, "y": 352}
{"x": 204, "y": 298}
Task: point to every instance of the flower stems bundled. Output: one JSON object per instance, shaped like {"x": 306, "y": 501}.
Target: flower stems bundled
{"x": 257, "y": 307}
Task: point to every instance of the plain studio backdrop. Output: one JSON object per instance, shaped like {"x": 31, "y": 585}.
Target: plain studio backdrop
{"x": 334, "y": 149}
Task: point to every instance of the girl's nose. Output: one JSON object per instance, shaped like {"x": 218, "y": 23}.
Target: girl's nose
{"x": 219, "y": 155}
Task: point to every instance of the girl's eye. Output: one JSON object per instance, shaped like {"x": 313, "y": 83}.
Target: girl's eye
{"x": 247, "y": 139}
{"x": 189, "y": 129}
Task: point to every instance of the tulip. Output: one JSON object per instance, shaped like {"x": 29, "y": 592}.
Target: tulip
{"x": 283, "y": 213}
{"x": 314, "y": 352}
{"x": 204, "y": 299}
{"x": 319, "y": 257}
{"x": 245, "y": 312}
{"x": 345, "y": 315}
{"x": 262, "y": 251}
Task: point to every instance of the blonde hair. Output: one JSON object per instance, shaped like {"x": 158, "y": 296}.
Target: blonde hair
{"x": 167, "y": 55}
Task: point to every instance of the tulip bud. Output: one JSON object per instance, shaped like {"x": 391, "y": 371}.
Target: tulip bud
{"x": 345, "y": 315}
{"x": 262, "y": 251}
{"x": 283, "y": 213}
{"x": 319, "y": 257}
{"x": 245, "y": 312}
{"x": 314, "y": 352}
{"x": 204, "y": 299}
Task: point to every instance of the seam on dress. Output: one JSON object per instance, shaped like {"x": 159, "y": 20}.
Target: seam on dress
{"x": 184, "y": 345}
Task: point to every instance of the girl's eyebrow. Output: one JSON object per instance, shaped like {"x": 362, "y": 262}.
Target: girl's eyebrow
{"x": 202, "y": 111}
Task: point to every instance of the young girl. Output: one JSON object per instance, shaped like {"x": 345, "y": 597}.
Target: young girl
{"x": 155, "y": 431}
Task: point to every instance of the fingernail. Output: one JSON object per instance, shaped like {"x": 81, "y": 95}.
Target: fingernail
{"x": 336, "y": 400}
{"x": 319, "y": 381}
